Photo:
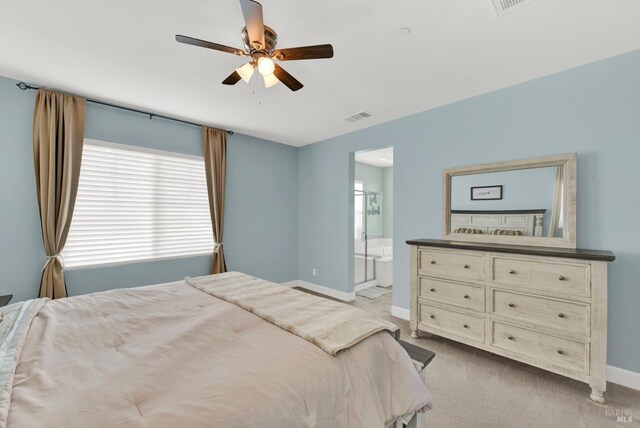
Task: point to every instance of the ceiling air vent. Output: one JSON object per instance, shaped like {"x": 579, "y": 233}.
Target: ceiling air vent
{"x": 506, "y": 6}
{"x": 358, "y": 116}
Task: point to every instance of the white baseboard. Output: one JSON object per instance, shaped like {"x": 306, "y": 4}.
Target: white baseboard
{"x": 292, "y": 284}
{"x": 368, "y": 284}
{"x": 399, "y": 312}
{"x": 614, "y": 374}
{"x": 623, "y": 377}
{"x": 320, "y": 289}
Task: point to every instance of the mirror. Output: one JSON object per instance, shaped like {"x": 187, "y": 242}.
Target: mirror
{"x": 526, "y": 202}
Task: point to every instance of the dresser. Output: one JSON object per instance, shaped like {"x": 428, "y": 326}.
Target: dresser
{"x": 546, "y": 307}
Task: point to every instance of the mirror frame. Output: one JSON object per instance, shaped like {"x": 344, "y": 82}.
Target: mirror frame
{"x": 568, "y": 161}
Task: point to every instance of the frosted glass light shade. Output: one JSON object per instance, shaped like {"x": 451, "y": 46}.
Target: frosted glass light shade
{"x": 270, "y": 80}
{"x": 246, "y": 71}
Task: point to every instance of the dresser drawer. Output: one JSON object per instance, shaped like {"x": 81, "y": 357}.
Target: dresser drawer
{"x": 456, "y": 265}
{"x": 559, "y": 277}
{"x": 555, "y": 313}
{"x": 453, "y": 322}
{"x": 533, "y": 344}
{"x": 452, "y": 293}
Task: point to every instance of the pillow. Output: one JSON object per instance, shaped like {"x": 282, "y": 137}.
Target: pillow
{"x": 468, "y": 230}
{"x": 506, "y": 232}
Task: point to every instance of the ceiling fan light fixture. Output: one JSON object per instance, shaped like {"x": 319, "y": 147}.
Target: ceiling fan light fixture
{"x": 270, "y": 80}
{"x": 259, "y": 43}
{"x": 246, "y": 71}
{"x": 266, "y": 66}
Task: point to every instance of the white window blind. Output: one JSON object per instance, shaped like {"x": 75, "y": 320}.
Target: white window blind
{"x": 137, "y": 204}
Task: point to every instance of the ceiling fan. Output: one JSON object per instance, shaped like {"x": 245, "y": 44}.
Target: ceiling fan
{"x": 260, "y": 44}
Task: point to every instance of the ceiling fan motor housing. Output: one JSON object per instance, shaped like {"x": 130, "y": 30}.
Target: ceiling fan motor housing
{"x": 270, "y": 40}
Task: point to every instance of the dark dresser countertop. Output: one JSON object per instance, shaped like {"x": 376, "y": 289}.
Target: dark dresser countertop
{"x": 568, "y": 253}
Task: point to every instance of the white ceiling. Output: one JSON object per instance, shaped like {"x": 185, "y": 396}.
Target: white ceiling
{"x": 124, "y": 51}
{"x": 381, "y": 157}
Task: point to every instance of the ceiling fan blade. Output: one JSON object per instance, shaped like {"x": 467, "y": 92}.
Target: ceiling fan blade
{"x": 304, "y": 52}
{"x": 232, "y": 79}
{"x": 209, "y": 45}
{"x": 252, "y": 12}
{"x": 288, "y": 80}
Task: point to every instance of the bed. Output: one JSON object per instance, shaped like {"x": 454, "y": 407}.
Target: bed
{"x": 182, "y": 354}
{"x": 520, "y": 222}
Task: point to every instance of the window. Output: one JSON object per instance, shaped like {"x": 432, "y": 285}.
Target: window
{"x": 138, "y": 204}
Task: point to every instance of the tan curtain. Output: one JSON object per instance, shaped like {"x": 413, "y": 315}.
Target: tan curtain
{"x": 58, "y": 132}
{"x": 215, "y": 163}
{"x": 557, "y": 203}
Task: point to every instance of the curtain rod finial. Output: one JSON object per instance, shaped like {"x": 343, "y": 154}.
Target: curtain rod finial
{"x": 24, "y": 86}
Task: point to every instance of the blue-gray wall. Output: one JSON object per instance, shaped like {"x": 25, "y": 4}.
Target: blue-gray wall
{"x": 261, "y": 209}
{"x": 21, "y": 253}
{"x": 523, "y": 189}
{"x": 592, "y": 110}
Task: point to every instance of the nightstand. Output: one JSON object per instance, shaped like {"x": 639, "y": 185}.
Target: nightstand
{"x": 4, "y": 300}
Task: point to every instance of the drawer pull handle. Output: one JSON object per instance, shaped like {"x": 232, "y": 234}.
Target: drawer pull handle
{"x": 433, "y": 262}
{"x": 512, "y": 305}
{"x": 466, "y": 266}
{"x": 432, "y": 316}
{"x": 466, "y": 326}
{"x": 466, "y": 296}
{"x": 561, "y": 278}
{"x": 560, "y": 351}
{"x": 432, "y": 289}
{"x": 510, "y": 337}
{"x": 512, "y": 272}
{"x": 561, "y": 315}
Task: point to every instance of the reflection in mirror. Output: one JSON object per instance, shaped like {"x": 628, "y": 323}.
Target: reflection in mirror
{"x": 519, "y": 202}
{"x": 522, "y": 202}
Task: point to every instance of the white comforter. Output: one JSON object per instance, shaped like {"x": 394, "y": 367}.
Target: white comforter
{"x": 174, "y": 356}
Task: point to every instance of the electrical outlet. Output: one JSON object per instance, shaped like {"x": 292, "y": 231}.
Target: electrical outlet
{"x": 313, "y": 271}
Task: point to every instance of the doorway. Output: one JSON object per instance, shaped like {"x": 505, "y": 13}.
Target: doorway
{"x": 373, "y": 227}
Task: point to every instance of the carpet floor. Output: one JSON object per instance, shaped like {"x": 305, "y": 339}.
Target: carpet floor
{"x": 474, "y": 388}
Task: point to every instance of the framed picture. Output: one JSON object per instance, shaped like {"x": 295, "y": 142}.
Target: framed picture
{"x": 486, "y": 193}
{"x": 373, "y": 203}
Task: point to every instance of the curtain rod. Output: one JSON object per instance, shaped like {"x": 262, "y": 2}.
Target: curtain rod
{"x": 25, "y": 86}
